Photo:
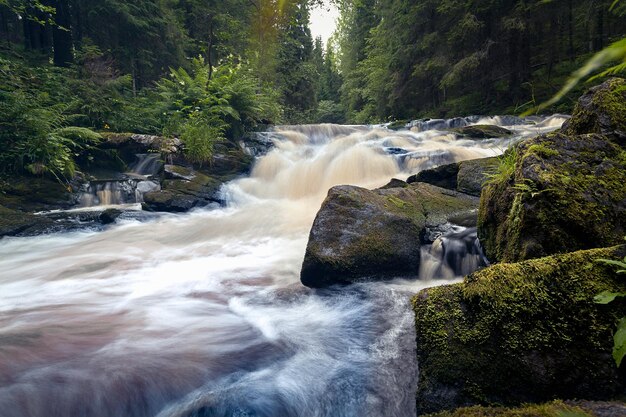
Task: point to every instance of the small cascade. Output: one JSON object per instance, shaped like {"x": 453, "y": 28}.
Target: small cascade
{"x": 106, "y": 193}
{"x": 453, "y": 254}
{"x": 129, "y": 189}
{"x": 147, "y": 165}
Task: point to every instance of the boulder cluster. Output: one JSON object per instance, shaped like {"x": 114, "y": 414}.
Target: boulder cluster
{"x": 526, "y": 329}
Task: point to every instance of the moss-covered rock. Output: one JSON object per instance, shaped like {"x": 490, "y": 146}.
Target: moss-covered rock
{"x": 553, "y": 409}
{"x": 601, "y": 110}
{"x": 565, "y": 193}
{"x": 566, "y": 190}
{"x": 524, "y": 332}
{"x": 179, "y": 195}
{"x": 482, "y": 132}
{"x": 14, "y": 222}
{"x": 32, "y": 194}
{"x": 473, "y": 174}
{"x": 360, "y": 234}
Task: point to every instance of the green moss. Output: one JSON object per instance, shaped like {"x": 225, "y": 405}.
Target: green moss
{"x": 555, "y": 201}
{"x": 602, "y": 110}
{"x": 518, "y": 332}
{"x": 542, "y": 150}
{"x": 553, "y": 409}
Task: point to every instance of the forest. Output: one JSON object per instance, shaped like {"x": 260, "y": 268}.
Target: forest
{"x": 208, "y": 211}
{"x": 216, "y": 69}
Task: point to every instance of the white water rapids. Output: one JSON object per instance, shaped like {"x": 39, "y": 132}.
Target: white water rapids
{"x": 203, "y": 314}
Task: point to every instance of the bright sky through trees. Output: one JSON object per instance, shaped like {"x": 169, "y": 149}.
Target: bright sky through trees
{"x": 324, "y": 20}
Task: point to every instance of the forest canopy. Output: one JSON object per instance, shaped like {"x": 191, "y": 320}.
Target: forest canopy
{"x": 217, "y": 69}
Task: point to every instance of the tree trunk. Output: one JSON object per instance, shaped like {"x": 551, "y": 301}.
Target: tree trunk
{"x": 62, "y": 35}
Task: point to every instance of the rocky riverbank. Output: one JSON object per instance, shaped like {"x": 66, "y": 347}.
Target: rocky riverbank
{"x": 127, "y": 168}
{"x": 512, "y": 333}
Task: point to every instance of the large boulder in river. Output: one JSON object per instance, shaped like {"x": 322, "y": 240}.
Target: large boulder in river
{"x": 559, "y": 192}
{"x": 362, "y": 234}
{"x": 518, "y": 333}
{"x": 467, "y": 176}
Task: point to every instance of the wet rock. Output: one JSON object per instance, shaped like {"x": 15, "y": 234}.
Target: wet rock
{"x": 33, "y": 194}
{"x": 109, "y": 216}
{"x": 517, "y": 333}
{"x": 444, "y": 176}
{"x": 467, "y": 176}
{"x": 482, "y": 132}
{"x": 360, "y": 235}
{"x": 398, "y": 125}
{"x": 179, "y": 195}
{"x": 395, "y": 183}
{"x": 14, "y": 222}
{"x": 474, "y": 173}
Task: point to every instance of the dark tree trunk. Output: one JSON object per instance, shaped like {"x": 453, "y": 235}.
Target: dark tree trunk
{"x": 62, "y": 35}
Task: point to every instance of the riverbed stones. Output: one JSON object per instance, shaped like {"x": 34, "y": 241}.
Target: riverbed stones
{"x": 360, "y": 235}
{"x": 517, "y": 333}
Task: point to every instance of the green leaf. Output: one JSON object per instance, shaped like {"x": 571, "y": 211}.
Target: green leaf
{"x": 606, "y": 297}
{"x": 619, "y": 342}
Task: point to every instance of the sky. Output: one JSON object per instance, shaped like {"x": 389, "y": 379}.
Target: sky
{"x": 323, "y": 21}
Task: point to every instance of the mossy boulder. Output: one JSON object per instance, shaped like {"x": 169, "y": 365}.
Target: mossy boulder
{"x": 482, "y": 132}
{"x": 179, "y": 195}
{"x": 564, "y": 193}
{"x": 32, "y": 194}
{"x": 467, "y": 176}
{"x": 601, "y": 110}
{"x": 361, "y": 235}
{"x": 524, "y": 332}
{"x": 552, "y": 409}
{"x": 16, "y": 223}
{"x": 565, "y": 190}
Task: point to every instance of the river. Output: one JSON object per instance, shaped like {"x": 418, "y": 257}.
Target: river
{"x": 203, "y": 314}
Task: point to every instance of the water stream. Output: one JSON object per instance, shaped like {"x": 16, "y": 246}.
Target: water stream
{"x": 203, "y": 314}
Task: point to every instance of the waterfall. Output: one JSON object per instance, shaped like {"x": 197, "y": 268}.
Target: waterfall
{"x": 129, "y": 189}
{"x": 203, "y": 314}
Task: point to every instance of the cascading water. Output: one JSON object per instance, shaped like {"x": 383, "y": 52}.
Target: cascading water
{"x": 126, "y": 190}
{"x": 203, "y": 314}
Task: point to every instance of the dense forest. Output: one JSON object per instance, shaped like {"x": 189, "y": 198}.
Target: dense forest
{"x": 446, "y": 58}
{"x": 208, "y": 70}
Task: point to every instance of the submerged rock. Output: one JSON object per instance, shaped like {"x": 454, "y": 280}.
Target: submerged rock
{"x": 515, "y": 333}
{"x": 360, "y": 234}
{"x": 482, "y": 132}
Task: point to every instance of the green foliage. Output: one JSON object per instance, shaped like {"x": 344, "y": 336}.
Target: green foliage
{"x": 403, "y": 59}
{"x": 203, "y": 111}
{"x": 35, "y": 140}
{"x": 606, "y": 297}
{"x": 506, "y": 167}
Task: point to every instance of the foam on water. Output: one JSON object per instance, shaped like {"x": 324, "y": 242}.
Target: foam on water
{"x": 203, "y": 314}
